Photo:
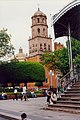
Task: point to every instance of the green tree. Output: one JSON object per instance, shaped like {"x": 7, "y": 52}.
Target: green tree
{"x": 77, "y": 64}
{"x": 38, "y": 84}
{"x": 22, "y": 72}
{"x": 62, "y": 63}
{"x": 56, "y": 60}
{"x": 75, "y": 48}
{"x": 59, "y": 59}
{"x": 49, "y": 59}
{"x": 6, "y": 47}
{"x": 77, "y": 61}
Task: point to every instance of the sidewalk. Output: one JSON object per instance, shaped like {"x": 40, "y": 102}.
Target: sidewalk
{"x": 13, "y": 109}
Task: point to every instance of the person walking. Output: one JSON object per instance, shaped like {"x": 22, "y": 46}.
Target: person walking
{"x": 23, "y": 116}
{"x": 25, "y": 94}
{"x": 48, "y": 93}
{"x": 54, "y": 97}
{"x": 15, "y": 93}
{"x": 21, "y": 96}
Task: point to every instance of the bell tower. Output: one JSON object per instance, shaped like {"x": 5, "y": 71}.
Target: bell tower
{"x": 39, "y": 25}
{"x": 39, "y": 42}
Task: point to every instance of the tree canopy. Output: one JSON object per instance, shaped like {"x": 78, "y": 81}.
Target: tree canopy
{"x": 56, "y": 60}
{"x": 6, "y": 47}
{"x": 75, "y": 48}
{"x": 38, "y": 84}
{"x": 77, "y": 61}
{"x": 59, "y": 58}
{"x": 62, "y": 63}
{"x": 49, "y": 59}
{"x": 22, "y": 72}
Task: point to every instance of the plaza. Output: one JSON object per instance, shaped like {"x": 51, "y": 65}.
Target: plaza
{"x": 40, "y": 42}
{"x": 34, "y": 109}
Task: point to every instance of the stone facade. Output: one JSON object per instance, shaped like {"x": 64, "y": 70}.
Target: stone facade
{"x": 40, "y": 42}
{"x": 35, "y": 58}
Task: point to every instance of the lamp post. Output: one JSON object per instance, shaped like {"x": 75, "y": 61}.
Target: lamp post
{"x": 70, "y": 52}
{"x": 51, "y": 74}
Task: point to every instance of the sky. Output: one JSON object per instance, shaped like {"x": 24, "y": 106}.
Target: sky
{"x": 15, "y": 15}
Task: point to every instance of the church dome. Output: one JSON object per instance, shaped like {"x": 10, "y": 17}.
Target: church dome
{"x": 20, "y": 56}
{"x": 39, "y": 13}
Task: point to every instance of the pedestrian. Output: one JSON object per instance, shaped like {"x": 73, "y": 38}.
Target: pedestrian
{"x": 54, "y": 97}
{"x": 15, "y": 93}
{"x": 48, "y": 93}
{"x": 21, "y": 96}
{"x": 23, "y": 116}
{"x": 25, "y": 94}
{"x": 4, "y": 95}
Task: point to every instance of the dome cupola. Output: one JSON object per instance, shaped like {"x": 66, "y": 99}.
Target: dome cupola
{"x": 39, "y": 24}
{"x": 20, "y": 56}
{"x": 39, "y": 13}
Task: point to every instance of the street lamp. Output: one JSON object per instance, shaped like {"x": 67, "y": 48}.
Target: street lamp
{"x": 51, "y": 74}
{"x": 70, "y": 51}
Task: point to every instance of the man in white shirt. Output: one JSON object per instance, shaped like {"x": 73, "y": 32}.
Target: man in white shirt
{"x": 15, "y": 93}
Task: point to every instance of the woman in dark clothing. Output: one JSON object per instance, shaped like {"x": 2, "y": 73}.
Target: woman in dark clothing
{"x": 23, "y": 116}
{"x": 48, "y": 96}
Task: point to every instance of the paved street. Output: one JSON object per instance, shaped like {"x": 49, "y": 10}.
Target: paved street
{"x": 2, "y": 118}
{"x": 33, "y": 108}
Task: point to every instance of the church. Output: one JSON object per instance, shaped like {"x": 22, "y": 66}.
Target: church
{"x": 39, "y": 43}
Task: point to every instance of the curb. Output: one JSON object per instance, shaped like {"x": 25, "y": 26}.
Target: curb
{"x": 62, "y": 110}
{"x": 7, "y": 117}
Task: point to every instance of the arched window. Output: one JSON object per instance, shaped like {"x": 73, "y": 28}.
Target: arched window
{"x": 38, "y": 30}
{"x": 40, "y": 46}
{"x": 48, "y": 47}
{"x": 33, "y": 45}
{"x": 45, "y": 46}
{"x": 43, "y": 20}
{"x": 43, "y": 30}
{"x": 38, "y": 20}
